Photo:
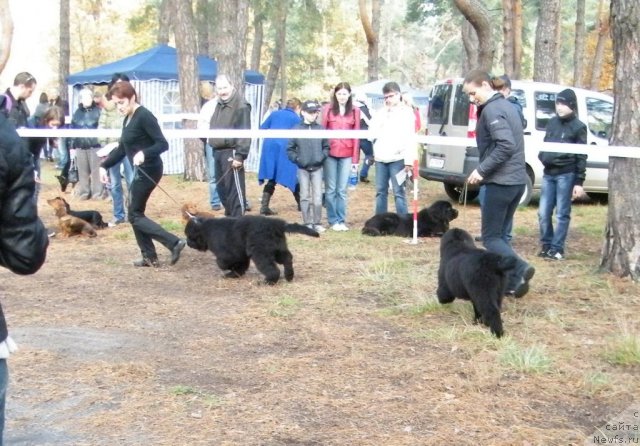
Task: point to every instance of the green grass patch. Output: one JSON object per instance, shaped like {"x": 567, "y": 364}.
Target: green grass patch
{"x": 172, "y": 225}
{"x": 533, "y": 359}
{"x": 624, "y": 350}
{"x": 285, "y": 307}
{"x": 122, "y": 235}
{"x": 595, "y": 382}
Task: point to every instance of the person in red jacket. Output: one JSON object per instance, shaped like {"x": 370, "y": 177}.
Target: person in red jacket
{"x": 340, "y": 114}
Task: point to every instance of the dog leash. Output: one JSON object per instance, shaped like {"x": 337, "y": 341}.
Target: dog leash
{"x": 463, "y": 201}
{"x": 140, "y": 169}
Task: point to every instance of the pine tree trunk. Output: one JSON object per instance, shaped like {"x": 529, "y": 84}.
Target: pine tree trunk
{"x": 65, "y": 52}
{"x": 183, "y": 25}
{"x": 578, "y": 54}
{"x": 544, "y": 64}
{"x": 202, "y": 26}
{"x": 621, "y": 251}
{"x": 280, "y": 18}
{"x": 258, "y": 39}
{"x": 603, "y": 33}
{"x": 517, "y": 35}
{"x": 508, "y": 38}
{"x": 371, "y": 27}
{"x": 232, "y": 41}
{"x": 164, "y": 22}
{"x": 478, "y": 15}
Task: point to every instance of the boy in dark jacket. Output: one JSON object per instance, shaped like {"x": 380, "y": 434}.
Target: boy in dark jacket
{"x": 23, "y": 238}
{"x": 563, "y": 177}
{"x": 309, "y": 155}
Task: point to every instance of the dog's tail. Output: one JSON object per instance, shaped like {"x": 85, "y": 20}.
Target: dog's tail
{"x": 368, "y": 230}
{"x": 300, "y": 229}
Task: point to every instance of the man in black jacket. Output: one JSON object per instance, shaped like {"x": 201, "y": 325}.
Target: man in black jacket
{"x": 16, "y": 96}
{"x": 563, "y": 175}
{"x": 502, "y": 172}
{"x": 231, "y": 112}
{"x": 23, "y": 238}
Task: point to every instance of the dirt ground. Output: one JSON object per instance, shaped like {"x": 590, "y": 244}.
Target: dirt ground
{"x": 353, "y": 351}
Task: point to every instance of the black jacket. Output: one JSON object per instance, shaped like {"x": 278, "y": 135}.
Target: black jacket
{"x": 233, "y": 114}
{"x": 308, "y": 154}
{"x": 85, "y": 118}
{"x": 23, "y": 238}
{"x": 18, "y": 112}
{"x": 568, "y": 129}
{"x": 500, "y": 141}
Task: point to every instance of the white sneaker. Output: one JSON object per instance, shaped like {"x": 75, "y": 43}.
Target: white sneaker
{"x": 344, "y": 227}
{"x": 337, "y": 227}
{"x": 319, "y": 228}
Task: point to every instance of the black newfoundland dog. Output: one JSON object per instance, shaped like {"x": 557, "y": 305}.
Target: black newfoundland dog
{"x": 473, "y": 274}
{"x": 432, "y": 222}
{"x": 235, "y": 241}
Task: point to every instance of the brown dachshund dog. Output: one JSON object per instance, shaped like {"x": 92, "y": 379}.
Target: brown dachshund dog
{"x": 190, "y": 210}
{"x": 70, "y": 225}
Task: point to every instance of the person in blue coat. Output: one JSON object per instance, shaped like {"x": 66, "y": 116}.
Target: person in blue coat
{"x": 275, "y": 167}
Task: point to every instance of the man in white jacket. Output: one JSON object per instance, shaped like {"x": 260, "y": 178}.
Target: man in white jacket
{"x": 394, "y": 147}
{"x": 206, "y": 112}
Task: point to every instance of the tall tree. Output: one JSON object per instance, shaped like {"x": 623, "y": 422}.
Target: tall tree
{"x": 371, "y": 28}
{"x": 470, "y": 43}
{"x": 478, "y": 15}
{"x": 183, "y": 24}
{"x": 512, "y": 37}
{"x": 545, "y": 60}
{"x": 603, "y": 35}
{"x": 578, "y": 52}
{"x": 621, "y": 251}
{"x": 65, "y": 50}
{"x": 232, "y": 40}
{"x": 259, "y": 17}
{"x": 164, "y": 21}
{"x": 202, "y": 26}
{"x": 6, "y": 33}
{"x": 279, "y": 18}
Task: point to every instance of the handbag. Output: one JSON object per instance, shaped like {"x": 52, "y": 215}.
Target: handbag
{"x": 72, "y": 176}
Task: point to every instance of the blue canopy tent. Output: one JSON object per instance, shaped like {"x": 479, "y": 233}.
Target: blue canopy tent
{"x": 154, "y": 74}
{"x": 157, "y": 63}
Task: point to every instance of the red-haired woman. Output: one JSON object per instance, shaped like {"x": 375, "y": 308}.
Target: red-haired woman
{"x": 142, "y": 142}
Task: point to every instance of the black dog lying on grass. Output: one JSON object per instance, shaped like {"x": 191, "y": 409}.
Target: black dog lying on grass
{"x": 473, "y": 274}
{"x": 432, "y": 222}
{"x": 235, "y": 241}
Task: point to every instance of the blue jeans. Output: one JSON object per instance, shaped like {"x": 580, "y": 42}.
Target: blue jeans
{"x": 384, "y": 173}
{"x": 4, "y": 380}
{"x": 336, "y": 178}
{"x": 63, "y": 153}
{"x": 367, "y": 148}
{"x": 556, "y": 192}
{"x": 116, "y": 187}
{"x": 214, "y": 198}
{"x": 509, "y": 230}
{"x": 499, "y": 205}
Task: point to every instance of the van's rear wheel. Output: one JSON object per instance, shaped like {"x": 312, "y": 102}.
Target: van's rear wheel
{"x": 454, "y": 192}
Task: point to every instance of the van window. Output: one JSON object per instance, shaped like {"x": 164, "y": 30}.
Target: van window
{"x": 599, "y": 117}
{"x": 460, "y": 107}
{"x": 545, "y": 108}
{"x": 439, "y": 104}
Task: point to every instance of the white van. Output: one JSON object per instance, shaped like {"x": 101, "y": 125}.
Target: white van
{"x": 451, "y": 114}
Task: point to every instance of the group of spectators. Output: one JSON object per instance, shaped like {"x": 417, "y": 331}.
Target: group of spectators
{"x": 310, "y": 167}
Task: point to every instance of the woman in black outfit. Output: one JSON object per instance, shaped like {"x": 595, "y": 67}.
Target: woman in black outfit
{"x": 142, "y": 142}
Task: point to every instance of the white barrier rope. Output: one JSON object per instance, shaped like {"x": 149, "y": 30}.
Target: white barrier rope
{"x": 588, "y": 149}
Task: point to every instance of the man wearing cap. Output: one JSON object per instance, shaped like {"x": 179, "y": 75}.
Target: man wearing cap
{"x": 309, "y": 155}
{"x": 563, "y": 176}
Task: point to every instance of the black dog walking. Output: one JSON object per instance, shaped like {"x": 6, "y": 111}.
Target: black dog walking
{"x": 474, "y": 274}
